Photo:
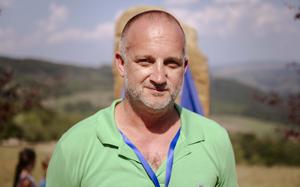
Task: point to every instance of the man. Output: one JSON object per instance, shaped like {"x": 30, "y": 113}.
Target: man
{"x": 145, "y": 139}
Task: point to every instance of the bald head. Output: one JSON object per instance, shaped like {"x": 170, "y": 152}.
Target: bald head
{"x": 146, "y": 21}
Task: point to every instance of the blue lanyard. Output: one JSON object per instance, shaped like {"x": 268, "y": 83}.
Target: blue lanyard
{"x": 147, "y": 167}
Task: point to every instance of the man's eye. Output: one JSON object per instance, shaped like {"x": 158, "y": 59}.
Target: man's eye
{"x": 172, "y": 64}
{"x": 144, "y": 62}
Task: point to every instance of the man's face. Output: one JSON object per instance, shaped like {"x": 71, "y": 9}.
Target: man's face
{"x": 155, "y": 63}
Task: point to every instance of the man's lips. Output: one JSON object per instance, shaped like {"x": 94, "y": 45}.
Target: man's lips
{"x": 157, "y": 89}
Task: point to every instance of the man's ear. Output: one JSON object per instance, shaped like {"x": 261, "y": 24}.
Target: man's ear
{"x": 120, "y": 63}
{"x": 186, "y": 63}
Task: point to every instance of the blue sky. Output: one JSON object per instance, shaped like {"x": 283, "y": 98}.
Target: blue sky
{"x": 81, "y": 32}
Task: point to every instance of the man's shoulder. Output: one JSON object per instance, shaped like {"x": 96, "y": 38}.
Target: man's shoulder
{"x": 85, "y": 129}
{"x": 200, "y": 127}
{"x": 199, "y": 124}
{"x": 215, "y": 138}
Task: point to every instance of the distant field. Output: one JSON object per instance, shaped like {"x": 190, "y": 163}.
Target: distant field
{"x": 96, "y": 98}
{"x": 9, "y": 156}
{"x": 261, "y": 176}
{"x": 235, "y": 124}
{"x": 248, "y": 176}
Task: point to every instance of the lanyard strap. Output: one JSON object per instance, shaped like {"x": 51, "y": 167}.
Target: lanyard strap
{"x": 147, "y": 167}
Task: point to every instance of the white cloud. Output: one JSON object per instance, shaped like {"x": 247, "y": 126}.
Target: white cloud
{"x": 180, "y": 2}
{"x": 6, "y": 3}
{"x": 234, "y": 1}
{"x": 6, "y": 39}
{"x": 272, "y": 19}
{"x": 100, "y": 32}
{"x": 11, "y": 40}
{"x": 5, "y": 32}
{"x": 58, "y": 16}
{"x": 52, "y": 30}
{"x": 211, "y": 20}
{"x": 229, "y": 17}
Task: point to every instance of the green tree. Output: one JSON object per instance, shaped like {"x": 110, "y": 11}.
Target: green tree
{"x": 14, "y": 99}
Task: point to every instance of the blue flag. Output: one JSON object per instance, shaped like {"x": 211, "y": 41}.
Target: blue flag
{"x": 189, "y": 95}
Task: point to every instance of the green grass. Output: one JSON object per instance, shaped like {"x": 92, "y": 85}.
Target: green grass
{"x": 241, "y": 124}
{"x": 97, "y": 99}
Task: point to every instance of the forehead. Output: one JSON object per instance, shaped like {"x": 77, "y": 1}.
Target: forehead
{"x": 151, "y": 16}
{"x": 163, "y": 33}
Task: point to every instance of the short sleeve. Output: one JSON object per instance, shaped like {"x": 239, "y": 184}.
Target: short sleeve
{"x": 58, "y": 173}
{"x": 228, "y": 176}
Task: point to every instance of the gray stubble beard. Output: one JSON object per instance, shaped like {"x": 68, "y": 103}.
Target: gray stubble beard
{"x": 136, "y": 95}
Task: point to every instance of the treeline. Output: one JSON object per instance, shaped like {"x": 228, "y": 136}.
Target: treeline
{"x": 267, "y": 150}
{"x": 27, "y": 84}
{"x": 22, "y": 114}
{"x": 56, "y": 80}
{"x": 232, "y": 97}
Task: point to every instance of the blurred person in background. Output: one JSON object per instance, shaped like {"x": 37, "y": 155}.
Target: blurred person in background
{"x": 24, "y": 168}
{"x": 45, "y": 163}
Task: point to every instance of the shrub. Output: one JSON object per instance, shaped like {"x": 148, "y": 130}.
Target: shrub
{"x": 267, "y": 151}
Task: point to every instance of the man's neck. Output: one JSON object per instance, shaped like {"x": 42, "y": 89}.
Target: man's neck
{"x": 145, "y": 120}
{"x": 151, "y": 132}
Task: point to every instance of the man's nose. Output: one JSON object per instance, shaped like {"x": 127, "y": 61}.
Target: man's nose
{"x": 159, "y": 74}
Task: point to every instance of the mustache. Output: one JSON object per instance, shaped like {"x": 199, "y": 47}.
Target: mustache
{"x": 163, "y": 87}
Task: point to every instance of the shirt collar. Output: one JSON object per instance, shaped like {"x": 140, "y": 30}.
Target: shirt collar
{"x": 108, "y": 133}
{"x": 191, "y": 129}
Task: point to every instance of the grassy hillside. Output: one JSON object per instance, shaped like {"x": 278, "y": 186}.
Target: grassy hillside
{"x": 280, "y": 77}
{"x": 63, "y": 95}
{"x": 57, "y": 79}
{"x": 232, "y": 97}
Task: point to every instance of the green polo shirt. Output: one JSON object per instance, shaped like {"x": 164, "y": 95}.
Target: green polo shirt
{"x": 92, "y": 153}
